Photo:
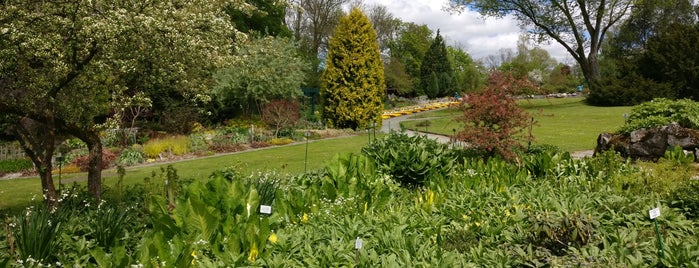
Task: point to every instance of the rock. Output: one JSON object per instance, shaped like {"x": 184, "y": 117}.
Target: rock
{"x": 608, "y": 141}
{"x": 650, "y": 144}
{"x": 686, "y": 138}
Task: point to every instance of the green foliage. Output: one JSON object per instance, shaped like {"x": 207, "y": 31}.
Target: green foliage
{"x": 434, "y": 66}
{"x": 670, "y": 57}
{"x": 490, "y": 213}
{"x": 36, "y": 235}
{"x": 431, "y": 85}
{"x": 75, "y": 61}
{"x": 561, "y": 80}
{"x": 646, "y": 57}
{"x": 352, "y": 86}
{"x": 15, "y": 165}
{"x": 269, "y": 68}
{"x": 108, "y": 225}
{"x": 677, "y": 156}
{"x": 467, "y": 75}
{"x": 266, "y": 19}
{"x": 409, "y": 48}
{"x": 411, "y": 161}
{"x": 628, "y": 89}
{"x": 686, "y": 198}
{"x": 543, "y": 21}
{"x": 661, "y": 112}
{"x": 397, "y": 80}
{"x": 130, "y": 156}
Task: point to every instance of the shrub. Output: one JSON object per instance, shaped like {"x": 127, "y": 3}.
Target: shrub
{"x": 661, "y": 112}
{"x": 180, "y": 120}
{"x": 281, "y": 114}
{"x": 492, "y": 119}
{"x": 177, "y": 145}
{"x": 15, "y": 165}
{"x": 82, "y": 162}
{"x": 70, "y": 168}
{"x": 686, "y": 198}
{"x": 411, "y": 161}
{"x": 280, "y": 141}
{"x": 130, "y": 156}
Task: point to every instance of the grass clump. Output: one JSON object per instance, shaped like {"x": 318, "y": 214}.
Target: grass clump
{"x": 176, "y": 145}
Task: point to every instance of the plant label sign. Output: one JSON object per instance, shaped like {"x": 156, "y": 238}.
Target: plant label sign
{"x": 264, "y": 209}
{"x": 358, "y": 243}
{"x": 654, "y": 213}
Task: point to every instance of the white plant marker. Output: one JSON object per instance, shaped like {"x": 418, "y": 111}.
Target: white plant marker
{"x": 264, "y": 209}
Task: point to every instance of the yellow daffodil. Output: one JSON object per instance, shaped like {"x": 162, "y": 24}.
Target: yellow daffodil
{"x": 430, "y": 197}
{"x": 253, "y": 253}
{"x": 273, "y": 238}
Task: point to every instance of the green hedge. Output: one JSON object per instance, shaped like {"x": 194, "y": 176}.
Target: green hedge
{"x": 15, "y": 165}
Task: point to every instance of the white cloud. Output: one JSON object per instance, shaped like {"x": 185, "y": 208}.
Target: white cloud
{"x": 478, "y": 36}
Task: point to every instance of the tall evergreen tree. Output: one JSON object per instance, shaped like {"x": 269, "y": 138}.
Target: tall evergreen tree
{"x": 436, "y": 61}
{"x": 352, "y": 86}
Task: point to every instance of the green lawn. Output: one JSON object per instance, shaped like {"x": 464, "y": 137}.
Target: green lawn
{"x": 567, "y": 123}
{"x": 289, "y": 159}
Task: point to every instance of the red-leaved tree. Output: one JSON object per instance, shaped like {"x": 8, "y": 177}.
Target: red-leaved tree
{"x": 492, "y": 120}
{"x": 281, "y": 114}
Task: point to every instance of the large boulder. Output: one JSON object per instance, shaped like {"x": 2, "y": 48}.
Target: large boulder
{"x": 648, "y": 144}
{"x": 609, "y": 141}
{"x": 651, "y": 143}
{"x": 684, "y": 137}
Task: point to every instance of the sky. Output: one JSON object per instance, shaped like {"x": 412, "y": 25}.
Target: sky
{"x": 476, "y": 35}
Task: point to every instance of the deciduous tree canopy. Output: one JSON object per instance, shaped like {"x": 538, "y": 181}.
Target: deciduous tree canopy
{"x": 268, "y": 68}
{"x": 61, "y": 62}
{"x": 579, "y": 26}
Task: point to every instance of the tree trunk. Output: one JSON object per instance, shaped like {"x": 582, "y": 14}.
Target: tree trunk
{"x": 47, "y": 187}
{"x": 94, "y": 169}
{"x": 593, "y": 73}
{"x": 38, "y": 141}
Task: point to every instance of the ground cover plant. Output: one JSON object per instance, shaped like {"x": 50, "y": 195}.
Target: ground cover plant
{"x": 547, "y": 210}
{"x": 567, "y": 123}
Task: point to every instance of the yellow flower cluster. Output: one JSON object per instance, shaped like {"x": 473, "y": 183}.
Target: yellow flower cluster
{"x": 416, "y": 109}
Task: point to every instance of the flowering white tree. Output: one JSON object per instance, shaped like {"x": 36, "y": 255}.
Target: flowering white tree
{"x": 62, "y": 61}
